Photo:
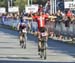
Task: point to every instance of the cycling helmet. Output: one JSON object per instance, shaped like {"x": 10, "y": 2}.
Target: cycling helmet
{"x": 21, "y": 20}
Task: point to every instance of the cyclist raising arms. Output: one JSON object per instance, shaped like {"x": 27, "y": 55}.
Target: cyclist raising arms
{"x": 41, "y": 20}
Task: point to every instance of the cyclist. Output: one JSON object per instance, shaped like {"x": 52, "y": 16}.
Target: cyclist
{"x": 41, "y": 27}
{"x": 22, "y": 29}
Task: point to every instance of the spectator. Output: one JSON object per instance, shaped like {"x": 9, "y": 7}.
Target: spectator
{"x": 3, "y": 18}
{"x": 51, "y": 24}
{"x": 69, "y": 13}
{"x": 40, "y": 8}
{"x": 58, "y": 23}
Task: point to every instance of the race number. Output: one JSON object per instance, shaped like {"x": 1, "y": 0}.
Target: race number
{"x": 24, "y": 31}
{"x": 43, "y": 34}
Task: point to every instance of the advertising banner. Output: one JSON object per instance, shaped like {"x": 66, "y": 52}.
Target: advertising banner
{"x": 2, "y": 10}
{"x": 13, "y": 9}
{"x": 32, "y": 8}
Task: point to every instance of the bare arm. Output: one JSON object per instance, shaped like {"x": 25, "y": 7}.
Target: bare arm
{"x": 18, "y": 26}
{"x": 52, "y": 17}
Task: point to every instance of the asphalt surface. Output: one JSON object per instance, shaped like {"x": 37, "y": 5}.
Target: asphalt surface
{"x": 11, "y": 52}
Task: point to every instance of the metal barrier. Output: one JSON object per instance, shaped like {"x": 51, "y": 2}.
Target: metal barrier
{"x": 57, "y": 28}
{"x": 61, "y": 29}
{"x": 10, "y": 22}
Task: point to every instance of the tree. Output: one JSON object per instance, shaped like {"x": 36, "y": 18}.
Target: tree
{"x": 34, "y": 1}
{"x": 41, "y": 2}
{"x": 2, "y": 3}
{"x": 21, "y": 4}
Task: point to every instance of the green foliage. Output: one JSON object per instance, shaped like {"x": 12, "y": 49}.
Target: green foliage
{"x": 41, "y": 2}
{"x": 2, "y": 3}
{"x": 20, "y": 3}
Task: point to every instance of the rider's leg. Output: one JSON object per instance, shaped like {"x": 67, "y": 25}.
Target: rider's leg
{"x": 23, "y": 37}
{"x": 39, "y": 43}
{"x": 46, "y": 37}
{"x": 20, "y": 38}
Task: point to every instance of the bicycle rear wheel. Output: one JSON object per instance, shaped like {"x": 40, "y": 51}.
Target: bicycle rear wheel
{"x": 43, "y": 50}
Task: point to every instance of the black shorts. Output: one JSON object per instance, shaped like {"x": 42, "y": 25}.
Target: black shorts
{"x": 42, "y": 29}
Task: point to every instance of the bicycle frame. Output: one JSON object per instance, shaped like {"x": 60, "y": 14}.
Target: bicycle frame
{"x": 43, "y": 46}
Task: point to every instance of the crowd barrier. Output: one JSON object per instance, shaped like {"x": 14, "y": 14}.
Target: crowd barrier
{"x": 61, "y": 28}
{"x": 57, "y": 28}
{"x": 67, "y": 31}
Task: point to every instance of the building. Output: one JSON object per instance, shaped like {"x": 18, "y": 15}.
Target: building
{"x": 55, "y": 5}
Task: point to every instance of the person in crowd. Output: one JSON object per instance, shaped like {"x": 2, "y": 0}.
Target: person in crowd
{"x": 3, "y": 18}
{"x": 29, "y": 20}
{"x": 40, "y": 8}
{"x": 51, "y": 23}
{"x": 58, "y": 23}
{"x": 34, "y": 24}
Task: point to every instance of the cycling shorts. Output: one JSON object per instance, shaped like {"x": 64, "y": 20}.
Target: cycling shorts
{"x": 42, "y": 29}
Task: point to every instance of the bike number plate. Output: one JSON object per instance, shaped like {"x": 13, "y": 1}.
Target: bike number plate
{"x": 24, "y": 31}
{"x": 43, "y": 34}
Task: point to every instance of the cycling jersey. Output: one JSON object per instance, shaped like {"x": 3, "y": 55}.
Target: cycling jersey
{"x": 22, "y": 25}
{"x": 41, "y": 20}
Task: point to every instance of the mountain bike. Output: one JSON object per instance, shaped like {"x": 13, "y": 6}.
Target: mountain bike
{"x": 23, "y": 38}
{"x": 43, "y": 46}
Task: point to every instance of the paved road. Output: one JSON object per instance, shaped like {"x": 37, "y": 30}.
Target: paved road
{"x": 11, "y": 51}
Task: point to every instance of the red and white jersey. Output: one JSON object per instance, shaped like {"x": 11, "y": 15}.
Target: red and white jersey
{"x": 41, "y": 20}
